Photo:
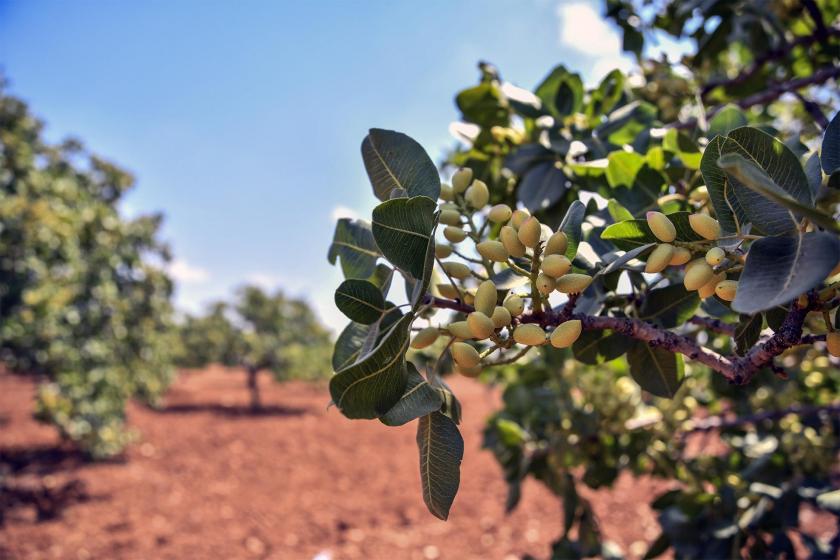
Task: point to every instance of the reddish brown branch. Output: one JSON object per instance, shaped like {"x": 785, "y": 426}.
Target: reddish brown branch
{"x": 737, "y": 369}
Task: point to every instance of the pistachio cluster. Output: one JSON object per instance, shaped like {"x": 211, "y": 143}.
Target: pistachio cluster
{"x": 706, "y": 273}
{"x": 503, "y": 238}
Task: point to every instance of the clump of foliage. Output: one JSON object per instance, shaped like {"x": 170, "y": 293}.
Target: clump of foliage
{"x": 649, "y": 266}
{"x": 257, "y": 332}
{"x": 84, "y": 301}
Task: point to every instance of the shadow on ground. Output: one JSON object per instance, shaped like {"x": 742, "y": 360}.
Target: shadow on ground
{"x": 233, "y": 410}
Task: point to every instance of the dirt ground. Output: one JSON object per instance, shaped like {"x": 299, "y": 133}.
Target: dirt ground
{"x": 208, "y": 480}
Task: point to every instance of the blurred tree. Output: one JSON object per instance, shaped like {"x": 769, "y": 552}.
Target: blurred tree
{"x": 259, "y": 331}
{"x": 84, "y": 301}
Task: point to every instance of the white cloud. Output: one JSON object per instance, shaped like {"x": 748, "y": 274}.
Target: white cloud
{"x": 582, "y": 28}
{"x": 343, "y": 212}
{"x": 184, "y": 272}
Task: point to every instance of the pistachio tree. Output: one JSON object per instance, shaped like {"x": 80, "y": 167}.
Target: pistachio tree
{"x": 257, "y": 332}
{"x": 645, "y": 264}
{"x": 85, "y": 305}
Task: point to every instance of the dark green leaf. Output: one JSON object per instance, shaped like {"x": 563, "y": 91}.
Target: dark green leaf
{"x": 655, "y": 369}
{"x": 396, "y": 161}
{"x": 403, "y": 229}
{"x": 596, "y": 347}
{"x": 419, "y": 399}
{"x": 441, "y": 451}
{"x": 726, "y": 120}
{"x": 361, "y": 301}
{"x": 542, "y": 186}
{"x": 370, "y": 387}
{"x": 830, "y": 152}
{"x": 561, "y": 92}
{"x": 571, "y": 227}
{"x": 348, "y": 345}
{"x": 606, "y": 95}
{"x": 747, "y": 332}
{"x": 779, "y": 269}
{"x": 670, "y": 306}
{"x": 780, "y": 215}
{"x": 353, "y": 243}
{"x": 625, "y": 258}
{"x": 482, "y": 105}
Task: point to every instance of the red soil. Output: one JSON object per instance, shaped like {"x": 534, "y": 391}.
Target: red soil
{"x": 207, "y": 480}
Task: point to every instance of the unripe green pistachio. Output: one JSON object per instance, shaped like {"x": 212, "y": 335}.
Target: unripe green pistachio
{"x": 460, "y": 329}
{"x": 456, "y": 269}
{"x": 529, "y": 334}
{"x": 510, "y": 240}
{"x": 572, "y": 283}
{"x": 832, "y": 341}
{"x": 501, "y": 317}
{"x": 500, "y": 214}
{"x": 477, "y": 194}
{"x": 469, "y": 297}
{"x": 802, "y": 301}
{"x": 470, "y": 372}
{"x": 514, "y": 304}
{"x": 461, "y": 179}
{"x": 556, "y": 265}
{"x": 465, "y": 355}
{"x": 485, "y": 297}
{"x": 715, "y": 256}
{"x": 545, "y": 283}
{"x": 705, "y": 226}
{"x": 481, "y": 326}
{"x": 680, "y": 257}
{"x": 425, "y": 338}
{"x": 529, "y": 232}
{"x": 661, "y": 226}
{"x": 442, "y": 251}
{"x": 447, "y": 290}
{"x": 556, "y": 244}
{"x": 659, "y": 258}
{"x": 450, "y": 218}
{"x": 708, "y": 289}
{"x": 446, "y": 192}
{"x": 450, "y": 206}
{"x": 698, "y": 274}
{"x": 726, "y": 290}
{"x": 454, "y": 234}
{"x": 492, "y": 250}
{"x": 518, "y": 217}
{"x": 566, "y": 334}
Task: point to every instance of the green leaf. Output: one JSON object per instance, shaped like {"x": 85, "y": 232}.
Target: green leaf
{"x": 482, "y": 105}
{"x": 606, "y": 95}
{"x": 683, "y": 147}
{"x": 736, "y": 204}
{"x": 542, "y": 186}
{"x": 381, "y": 278}
{"x": 625, "y": 123}
{"x": 781, "y": 217}
{"x": 396, "y": 161}
{"x": 348, "y": 345}
{"x": 597, "y": 347}
{"x": 419, "y": 399}
{"x": 561, "y": 92}
{"x": 635, "y": 183}
{"x": 353, "y": 243}
{"x": 361, "y": 301}
{"x": 618, "y": 212}
{"x": 571, "y": 227}
{"x": 830, "y": 151}
{"x": 403, "y": 229}
{"x": 629, "y": 234}
{"x": 670, "y": 306}
{"x": 625, "y": 258}
{"x": 655, "y": 369}
{"x": 418, "y": 288}
{"x": 727, "y": 119}
{"x": 622, "y": 168}
{"x": 747, "y": 332}
{"x": 370, "y": 387}
{"x": 441, "y": 451}
{"x": 779, "y": 269}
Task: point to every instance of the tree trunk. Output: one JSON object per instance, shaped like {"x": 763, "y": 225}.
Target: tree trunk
{"x": 254, "y": 388}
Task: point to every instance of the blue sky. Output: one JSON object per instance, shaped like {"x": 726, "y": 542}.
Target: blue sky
{"x": 242, "y": 120}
